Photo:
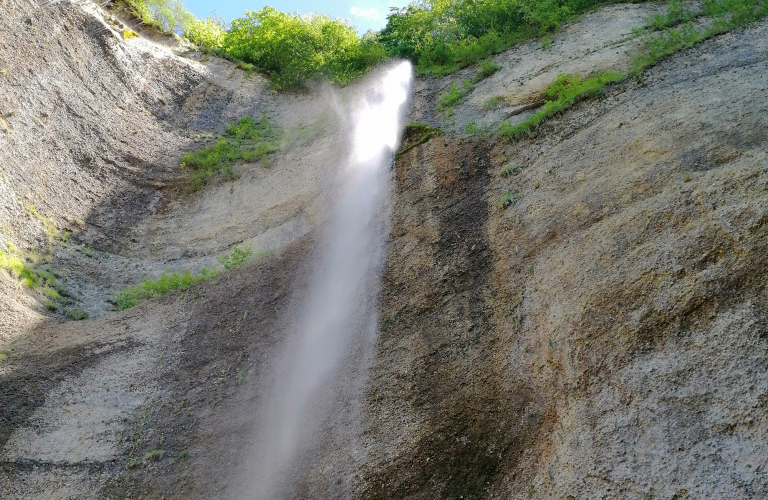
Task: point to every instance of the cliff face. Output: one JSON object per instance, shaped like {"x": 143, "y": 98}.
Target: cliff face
{"x": 602, "y": 334}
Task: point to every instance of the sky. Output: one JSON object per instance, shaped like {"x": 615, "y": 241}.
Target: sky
{"x": 364, "y": 14}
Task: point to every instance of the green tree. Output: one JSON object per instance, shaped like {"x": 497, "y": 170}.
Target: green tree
{"x": 295, "y": 48}
{"x": 168, "y": 15}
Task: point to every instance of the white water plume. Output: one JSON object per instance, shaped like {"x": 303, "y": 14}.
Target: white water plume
{"x": 340, "y": 305}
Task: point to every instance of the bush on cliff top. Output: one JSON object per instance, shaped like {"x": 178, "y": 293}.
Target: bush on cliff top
{"x": 438, "y": 36}
{"x": 295, "y": 49}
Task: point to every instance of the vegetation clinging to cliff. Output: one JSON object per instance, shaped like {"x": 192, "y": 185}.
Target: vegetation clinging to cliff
{"x": 242, "y": 141}
{"x": 169, "y": 282}
{"x": 438, "y": 36}
{"x": 676, "y": 32}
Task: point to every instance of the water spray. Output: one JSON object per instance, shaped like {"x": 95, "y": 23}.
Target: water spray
{"x": 340, "y": 305}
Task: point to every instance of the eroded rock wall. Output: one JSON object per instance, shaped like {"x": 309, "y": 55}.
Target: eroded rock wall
{"x": 602, "y": 335}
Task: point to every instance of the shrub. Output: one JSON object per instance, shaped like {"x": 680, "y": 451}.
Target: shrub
{"x": 441, "y": 37}
{"x": 491, "y": 103}
{"x": 237, "y": 257}
{"x": 294, "y": 49}
{"x": 208, "y": 33}
{"x": 510, "y": 169}
{"x": 245, "y": 140}
{"x": 169, "y": 282}
{"x": 487, "y": 68}
{"x": 438, "y": 36}
{"x": 170, "y": 16}
{"x": 565, "y": 90}
{"x": 509, "y": 198}
{"x": 446, "y": 101}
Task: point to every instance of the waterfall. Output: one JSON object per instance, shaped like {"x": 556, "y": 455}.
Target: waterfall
{"x": 340, "y": 304}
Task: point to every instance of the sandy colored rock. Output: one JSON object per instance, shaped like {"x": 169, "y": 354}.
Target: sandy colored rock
{"x": 603, "y": 335}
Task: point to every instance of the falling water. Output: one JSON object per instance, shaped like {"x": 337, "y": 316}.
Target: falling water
{"x": 340, "y": 305}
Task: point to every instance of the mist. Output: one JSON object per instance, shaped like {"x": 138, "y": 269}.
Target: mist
{"x": 339, "y": 308}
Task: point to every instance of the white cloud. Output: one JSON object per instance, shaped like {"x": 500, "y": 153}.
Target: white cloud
{"x": 371, "y": 13}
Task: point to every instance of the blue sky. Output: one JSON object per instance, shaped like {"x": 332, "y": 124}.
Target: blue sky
{"x": 364, "y": 14}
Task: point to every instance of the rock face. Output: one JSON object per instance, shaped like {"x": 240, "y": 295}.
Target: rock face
{"x": 602, "y": 334}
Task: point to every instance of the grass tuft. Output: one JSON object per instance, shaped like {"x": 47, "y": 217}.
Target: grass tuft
{"x": 245, "y": 140}
{"x": 487, "y": 68}
{"x": 491, "y": 103}
{"x": 565, "y": 90}
{"x": 509, "y": 198}
{"x": 454, "y": 95}
{"x": 511, "y": 169}
{"x": 165, "y": 284}
{"x": 154, "y": 455}
{"x": 170, "y": 282}
{"x": 416, "y": 134}
{"x": 562, "y": 93}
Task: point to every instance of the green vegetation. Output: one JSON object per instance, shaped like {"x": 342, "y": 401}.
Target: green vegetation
{"x": 510, "y": 169}
{"x": 471, "y": 128}
{"x": 509, "y": 198}
{"x": 292, "y": 49}
{"x": 154, "y": 455}
{"x": 13, "y": 262}
{"x": 169, "y": 282}
{"x": 165, "y": 284}
{"x": 245, "y": 140}
{"x": 169, "y": 16}
{"x": 209, "y": 34}
{"x": 295, "y": 49}
{"x": 724, "y": 14}
{"x": 25, "y": 267}
{"x": 52, "y": 233}
{"x": 487, "y": 68}
{"x": 75, "y": 314}
{"x": 438, "y": 36}
{"x": 442, "y": 36}
{"x": 568, "y": 89}
{"x": 453, "y": 96}
{"x": 416, "y": 134}
{"x": 562, "y": 93}
{"x": 491, "y": 103}
{"x": 546, "y": 41}
{"x": 237, "y": 257}
{"x": 676, "y": 13}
